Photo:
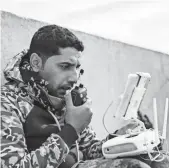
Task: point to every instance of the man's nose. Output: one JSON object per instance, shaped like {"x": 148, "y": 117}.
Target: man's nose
{"x": 73, "y": 77}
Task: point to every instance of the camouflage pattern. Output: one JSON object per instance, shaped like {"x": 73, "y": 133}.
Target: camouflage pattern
{"x": 14, "y": 153}
{"x": 116, "y": 163}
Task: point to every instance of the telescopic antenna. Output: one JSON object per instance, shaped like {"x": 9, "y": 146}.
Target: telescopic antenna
{"x": 164, "y": 133}
{"x": 155, "y": 120}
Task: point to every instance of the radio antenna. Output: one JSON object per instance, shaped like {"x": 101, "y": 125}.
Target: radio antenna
{"x": 155, "y": 120}
{"x": 164, "y": 133}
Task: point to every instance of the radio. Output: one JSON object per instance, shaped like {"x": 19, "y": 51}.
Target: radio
{"x": 79, "y": 95}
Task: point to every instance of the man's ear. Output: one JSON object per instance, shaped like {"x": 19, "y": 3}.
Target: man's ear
{"x": 36, "y": 62}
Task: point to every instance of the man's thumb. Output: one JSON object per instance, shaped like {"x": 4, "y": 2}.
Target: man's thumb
{"x": 68, "y": 99}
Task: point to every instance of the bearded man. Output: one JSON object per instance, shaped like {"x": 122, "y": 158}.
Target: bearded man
{"x": 38, "y": 130}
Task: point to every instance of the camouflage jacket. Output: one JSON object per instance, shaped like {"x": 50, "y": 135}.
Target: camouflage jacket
{"x": 17, "y": 101}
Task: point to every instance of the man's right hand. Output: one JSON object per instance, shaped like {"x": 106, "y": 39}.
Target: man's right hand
{"x": 78, "y": 116}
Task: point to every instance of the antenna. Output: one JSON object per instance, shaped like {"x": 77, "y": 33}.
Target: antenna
{"x": 164, "y": 133}
{"x": 155, "y": 120}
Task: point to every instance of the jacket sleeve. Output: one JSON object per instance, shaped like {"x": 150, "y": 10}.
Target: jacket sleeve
{"x": 90, "y": 146}
{"x": 14, "y": 152}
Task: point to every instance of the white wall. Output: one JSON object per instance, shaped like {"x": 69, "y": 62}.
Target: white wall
{"x": 107, "y": 64}
{"x": 144, "y": 23}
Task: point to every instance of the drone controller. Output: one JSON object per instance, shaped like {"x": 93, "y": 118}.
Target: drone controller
{"x": 79, "y": 94}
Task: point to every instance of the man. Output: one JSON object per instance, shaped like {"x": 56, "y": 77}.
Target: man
{"x": 39, "y": 79}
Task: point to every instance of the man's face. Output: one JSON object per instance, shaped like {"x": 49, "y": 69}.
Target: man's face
{"x": 61, "y": 71}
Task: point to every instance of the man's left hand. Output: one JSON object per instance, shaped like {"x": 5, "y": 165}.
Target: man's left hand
{"x": 134, "y": 125}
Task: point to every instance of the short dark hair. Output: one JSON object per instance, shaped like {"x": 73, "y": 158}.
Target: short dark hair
{"x": 48, "y": 39}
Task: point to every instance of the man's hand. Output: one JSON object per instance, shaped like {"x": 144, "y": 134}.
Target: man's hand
{"x": 134, "y": 125}
{"x": 80, "y": 116}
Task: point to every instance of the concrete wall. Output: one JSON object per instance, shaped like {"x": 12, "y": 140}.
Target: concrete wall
{"x": 107, "y": 64}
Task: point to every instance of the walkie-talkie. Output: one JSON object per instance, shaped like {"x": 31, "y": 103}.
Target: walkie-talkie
{"x": 79, "y": 94}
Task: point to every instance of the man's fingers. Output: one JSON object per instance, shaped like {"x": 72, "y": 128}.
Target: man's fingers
{"x": 88, "y": 102}
{"x": 132, "y": 125}
{"x": 135, "y": 125}
{"x": 68, "y": 98}
{"x": 140, "y": 123}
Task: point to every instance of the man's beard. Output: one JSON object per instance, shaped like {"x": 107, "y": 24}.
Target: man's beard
{"x": 54, "y": 93}
{"x": 59, "y": 92}
{"x": 56, "y": 99}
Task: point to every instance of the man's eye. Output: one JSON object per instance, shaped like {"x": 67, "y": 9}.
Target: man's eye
{"x": 65, "y": 66}
{"x": 78, "y": 67}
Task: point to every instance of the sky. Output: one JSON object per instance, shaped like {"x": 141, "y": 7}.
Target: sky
{"x": 143, "y": 23}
